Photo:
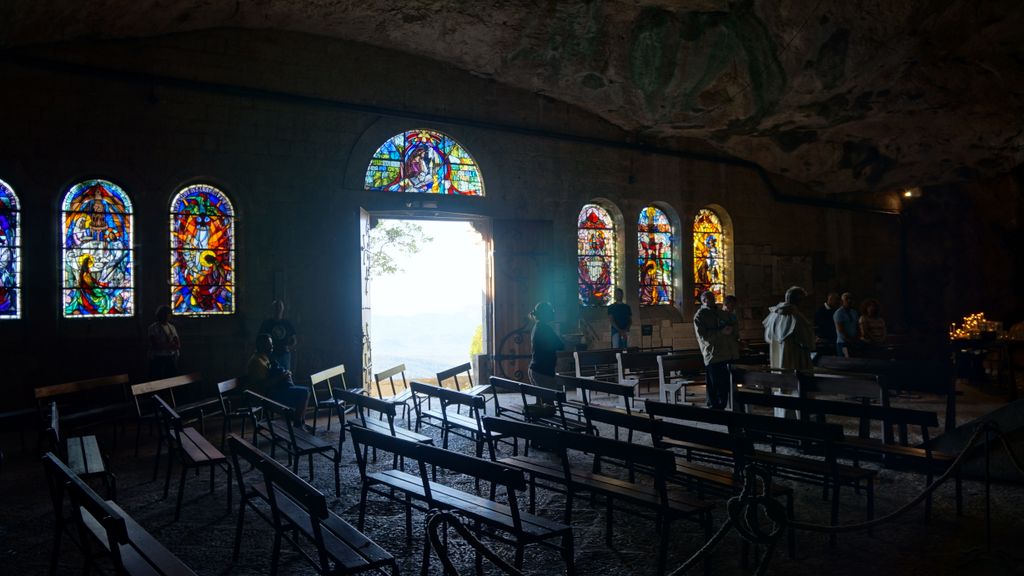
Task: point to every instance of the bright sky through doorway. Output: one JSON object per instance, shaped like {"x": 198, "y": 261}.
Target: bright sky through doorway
{"x": 425, "y": 316}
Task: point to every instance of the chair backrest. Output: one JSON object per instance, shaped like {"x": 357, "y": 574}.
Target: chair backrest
{"x": 366, "y": 438}
{"x": 447, "y": 396}
{"x": 625, "y": 391}
{"x": 274, "y": 411}
{"x": 163, "y": 385}
{"x": 363, "y": 403}
{"x": 170, "y": 422}
{"x": 320, "y": 385}
{"x": 454, "y": 373}
{"x": 390, "y": 374}
{"x": 763, "y": 379}
{"x": 225, "y": 390}
{"x": 505, "y": 385}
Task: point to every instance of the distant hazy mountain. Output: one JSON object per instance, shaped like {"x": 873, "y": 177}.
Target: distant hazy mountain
{"x": 425, "y": 343}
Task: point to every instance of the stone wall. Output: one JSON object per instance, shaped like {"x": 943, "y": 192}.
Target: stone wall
{"x": 284, "y": 124}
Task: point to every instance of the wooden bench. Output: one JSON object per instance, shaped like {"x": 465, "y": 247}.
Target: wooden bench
{"x": 166, "y": 387}
{"x": 825, "y": 439}
{"x": 556, "y": 400}
{"x": 505, "y": 386}
{"x": 82, "y": 454}
{"x": 676, "y": 372}
{"x": 234, "y": 405}
{"x": 299, "y": 514}
{"x": 522, "y": 528}
{"x": 88, "y": 402}
{"x": 586, "y": 387}
{"x": 666, "y": 503}
{"x": 447, "y": 420}
{"x": 276, "y": 422}
{"x": 920, "y": 459}
{"x": 597, "y": 364}
{"x": 321, "y": 393}
{"x": 700, "y": 478}
{"x": 637, "y": 368}
{"x": 465, "y": 372}
{"x": 104, "y": 527}
{"x": 398, "y": 397}
{"x": 190, "y": 449}
{"x": 389, "y": 410}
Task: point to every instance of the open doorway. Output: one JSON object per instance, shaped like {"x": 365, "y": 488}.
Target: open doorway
{"x": 427, "y": 307}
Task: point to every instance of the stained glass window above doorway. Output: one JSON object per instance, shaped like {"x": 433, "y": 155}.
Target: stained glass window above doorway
{"x": 424, "y": 161}
{"x": 202, "y": 252}
{"x": 97, "y": 261}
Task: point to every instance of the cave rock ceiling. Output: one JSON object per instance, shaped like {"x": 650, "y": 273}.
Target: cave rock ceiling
{"x": 840, "y": 95}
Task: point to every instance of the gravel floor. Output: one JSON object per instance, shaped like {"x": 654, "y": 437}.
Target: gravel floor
{"x": 204, "y": 536}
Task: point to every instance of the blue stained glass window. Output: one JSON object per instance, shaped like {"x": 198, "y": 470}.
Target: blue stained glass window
{"x": 10, "y": 254}
{"x": 654, "y": 246}
{"x": 97, "y": 263}
{"x": 424, "y": 161}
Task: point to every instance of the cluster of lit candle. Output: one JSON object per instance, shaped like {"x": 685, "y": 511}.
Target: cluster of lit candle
{"x": 972, "y": 327}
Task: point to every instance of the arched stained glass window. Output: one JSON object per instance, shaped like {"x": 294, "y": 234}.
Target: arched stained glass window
{"x": 202, "y": 252}
{"x": 596, "y": 253}
{"x": 654, "y": 246}
{"x": 10, "y": 254}
{"x": 424, "y": 161}
{"x": 709, "y": 258}
{"x": 97, "y": 251}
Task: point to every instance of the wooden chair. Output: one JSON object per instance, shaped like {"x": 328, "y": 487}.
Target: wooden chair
{"x": 321, "y": 391}
{"x": 190, "y": 449}
{"x": 398, "y": 397}
{"x": 82, "y": 454}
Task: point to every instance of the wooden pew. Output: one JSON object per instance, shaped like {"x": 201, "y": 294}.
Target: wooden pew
{"x": 667, "y": 503}
{"x": 505, "y": 386}
{"x": 166, "y": 387}
{"x": 234, "y": 405}
{"x": 276, "y": 422}
{"x": 299, "y": 514}
{"x": 597, "y": 364}
{"x": 104, "y": 527}
{"x": 505, "y": 516}
{"x": 585, "y": 387}
{"x": 82, "y": 454}
{"x": 920, "y": 459}
{"x": 190, "y": 449}
{"x": 676, "y": 372}
{"x": 637, "y": 368}
{"x": 824, "y": 469}
{"x": 398, "y": 397}
{"x": 363, "y": 404}
{"x": 449, "y": 421}
{"x": 556, "y": 400}
{"x": 87, "y": 402}
{"x": 465, "y": 372}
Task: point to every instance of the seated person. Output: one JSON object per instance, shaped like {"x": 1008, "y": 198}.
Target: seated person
{"x": 265, "y": 376}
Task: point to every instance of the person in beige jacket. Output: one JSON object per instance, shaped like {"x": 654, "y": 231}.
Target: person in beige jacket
{"x": 719, "y": 346}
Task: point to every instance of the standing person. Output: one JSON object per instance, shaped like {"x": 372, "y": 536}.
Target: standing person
{"x": 845, "y": 319}
{"x": 715, "y": 330}
{"x": 283, "y": 333}
{"x": 164, "y": 346}
{"x": 265, "y": 376}
{"x": 546, "y": 344}
{"x": 622, "y": 317}
{"x": 825, "y": 326}
{"x": 871, "y": 324}
{"x": 788, "y": 333}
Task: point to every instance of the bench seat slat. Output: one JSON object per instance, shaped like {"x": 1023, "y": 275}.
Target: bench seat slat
{"x": 198, "y": 448}
{"x": 144, "y": 544}
{"x": 403, "y": 433}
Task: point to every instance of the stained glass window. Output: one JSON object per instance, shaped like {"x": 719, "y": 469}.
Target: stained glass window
{"x": 709, "y": 245}
{"x": 596, "y": 253}
{"x": 202, "y": 252}
{"x": 654, "y": 246}
{"x": 10, "y": 254}
{"x": 424, "y": 161}
{"x": 97, "y": 241}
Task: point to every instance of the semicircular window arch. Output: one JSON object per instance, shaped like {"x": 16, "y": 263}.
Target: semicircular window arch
{"x": 10, "y": 253}
{"x": 595, "y": 251}
{"x": 97, "y": 251}
{"x": 654, "y": 262}
{"x": 202, "y": 222}
{"x": 424, "y": 161}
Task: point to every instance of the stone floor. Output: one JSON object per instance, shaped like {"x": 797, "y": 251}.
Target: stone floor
{"x": 204, "y": 535}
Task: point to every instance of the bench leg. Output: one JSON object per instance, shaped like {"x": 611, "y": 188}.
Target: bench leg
{"x": 834, "y": 518}
{"x": 662, "y": 524}
{"x": 520, "y": 553}
{"x": 569, "y": 554}
{"x": 362, "y": 507}
{"x": 408, "y": 517}
{"x": 167, "y": 477}
{"x": 181, "y": 493}
{"x": 425, "y": 565}
{"x": 156, "y": 459}
{"x": 275, "y": 555}
{"x": 58, "y": 533}
{"x": 337, "y": 475}
{"x": 238, "y": 530}
{"x": 609, "y": 519}
{"x": 959, "y": 494}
